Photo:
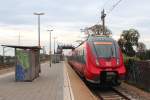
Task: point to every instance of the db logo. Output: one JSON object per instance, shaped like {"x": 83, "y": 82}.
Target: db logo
{"x": 108, "y": 63}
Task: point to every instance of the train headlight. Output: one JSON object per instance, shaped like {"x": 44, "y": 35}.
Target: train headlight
{"x": 117, "y": 61}
{"x": 97, "y": 63}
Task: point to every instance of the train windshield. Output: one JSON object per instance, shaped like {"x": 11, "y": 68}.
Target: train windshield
{"x": 104, "y": 49}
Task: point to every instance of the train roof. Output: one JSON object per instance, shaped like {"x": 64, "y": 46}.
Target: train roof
{"x": 100, "y": 38}
{"x": 93, "y": 38}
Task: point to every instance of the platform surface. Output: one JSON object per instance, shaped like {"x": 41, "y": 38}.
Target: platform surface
{"x": 49, "y": 86}
{"x": 79, "y": 90}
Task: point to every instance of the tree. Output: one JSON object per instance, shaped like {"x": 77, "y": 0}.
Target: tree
{"x": 121, "y": 43}
{"x": 129, "y": 39}
{"x": 141, "y": 47}
{"x": 142, "y": 53}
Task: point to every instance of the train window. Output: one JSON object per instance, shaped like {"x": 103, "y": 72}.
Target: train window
{"x": 83, "y": 56}
{"x": 105, "y": 51}
{"x": 117, "y": 49}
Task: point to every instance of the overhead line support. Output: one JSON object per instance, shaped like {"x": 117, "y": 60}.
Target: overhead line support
{"x": 103, "y": 15}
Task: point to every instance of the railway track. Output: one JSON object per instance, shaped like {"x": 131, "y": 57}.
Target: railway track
{"x": 112, "y": 94}
{"x": 109, "y": 93}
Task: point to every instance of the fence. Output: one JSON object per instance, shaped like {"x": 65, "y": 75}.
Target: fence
{"x": 138, "y": 73}
{"x": 7, "y": 60}
{"x": 10, "y": 60}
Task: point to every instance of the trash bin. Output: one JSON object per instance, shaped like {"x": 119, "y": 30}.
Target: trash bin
{"x": 27, "y": 62}
{"x": 56, "y": 58}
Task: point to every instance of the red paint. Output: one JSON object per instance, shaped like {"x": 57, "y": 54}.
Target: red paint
{"x": 90, "y": 70}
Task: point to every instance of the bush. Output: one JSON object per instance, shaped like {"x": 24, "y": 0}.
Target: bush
{"x": 128, "y": 58}
{"x": 144, "y": 55}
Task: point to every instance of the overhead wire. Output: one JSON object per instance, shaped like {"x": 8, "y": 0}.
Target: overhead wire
{"x": 111, "y": 9}
{"x": 114, "y": 6}
{"x": 103, "y": 5}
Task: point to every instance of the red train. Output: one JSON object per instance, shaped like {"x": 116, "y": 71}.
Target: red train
{"x": 99, "y": 60}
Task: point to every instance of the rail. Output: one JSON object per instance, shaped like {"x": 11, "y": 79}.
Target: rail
{"x": 112, "y": 94}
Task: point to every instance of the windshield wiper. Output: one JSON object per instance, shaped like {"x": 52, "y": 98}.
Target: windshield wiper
{"x": 95, "y": 51}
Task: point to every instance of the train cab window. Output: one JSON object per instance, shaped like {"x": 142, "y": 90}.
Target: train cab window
{"x": 104, "y": 49}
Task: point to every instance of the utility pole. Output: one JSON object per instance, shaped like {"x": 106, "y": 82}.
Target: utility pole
{"x": 38, "y": 14}
{"x": 54, "y": 50}
{"x": 103, "y": 15}
{"x": 50, "y": 31}
{"x": 3, "y": 54}
{"x": 54, "y": 44}
{"x": 19, "y": 39}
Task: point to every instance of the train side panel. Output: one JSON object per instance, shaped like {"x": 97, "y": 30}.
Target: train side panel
{"x": 96, "y": 69}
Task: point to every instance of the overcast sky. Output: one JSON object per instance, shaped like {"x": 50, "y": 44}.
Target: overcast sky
{"x": 67, "y": 17}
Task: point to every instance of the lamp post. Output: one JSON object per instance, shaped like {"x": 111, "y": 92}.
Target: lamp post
{"x": 50, "y": 31}
{"x": 38, "y": 14}
{"x": 19, "y": 39}
{"x": 54, "y": 50}
{"x": 54, "y": 43}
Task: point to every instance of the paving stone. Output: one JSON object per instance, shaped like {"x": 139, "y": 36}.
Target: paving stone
{"x": 49, "y": 86}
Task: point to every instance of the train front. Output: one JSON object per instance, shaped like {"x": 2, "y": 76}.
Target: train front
{"x": 104, "y": 61}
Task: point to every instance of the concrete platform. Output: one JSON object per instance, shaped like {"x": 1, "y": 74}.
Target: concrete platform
{"x": 58, "y": 82}
{"x": 49, "y": 86}
{"x": 79, "y": 90}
